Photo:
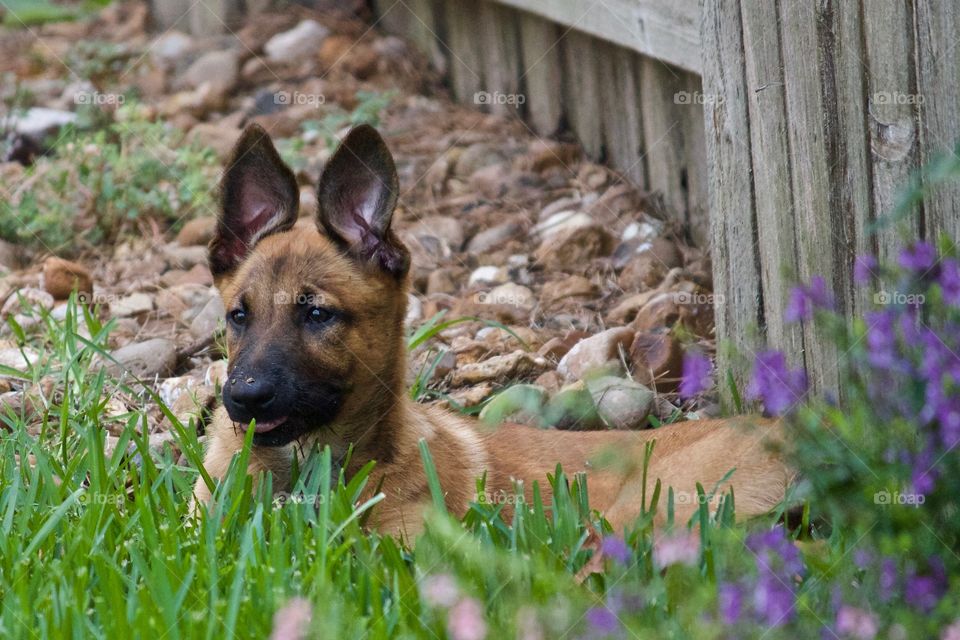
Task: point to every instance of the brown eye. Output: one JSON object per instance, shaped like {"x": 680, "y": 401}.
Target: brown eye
{"x": 238, "y": 317}
{"x": 319, "y": 315}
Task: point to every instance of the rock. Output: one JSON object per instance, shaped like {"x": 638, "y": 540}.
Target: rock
{"x": 657, "y": 360}
{"x": 61, "y": 277}
{"x": 488, "y": 275}
{"x": 184, "y": 257}
{"x": 509, "y": 293}
{"x": 198, "y": 274}
{"x": 574, "y": 248}
{"x": 220, "y": 68}
{"x": 521, "y": 403}
{"x": 9, "y": 255}
{"x": 494, "y": 237}
{"x": 469, "y": 397}
{"x": 594, "y": 352}
{"x": 18, "y": 359}
{"x": 690, "y": 309}
{"x": 131, "y": 305}
{"x": 171, "y": 389}
{"x": 171, "y": 48}
{"x": 205, "y": 323}
{"x": 550, "y": 381}
{"x": 649, "y": 267}
{"x": 442, "y": 228}
{"x": 37, "y": 122}
{"x": 570, "y": 287}
{"x": 26, "y": 299}
{"x": 621, "y": 403}
{"x": 414, "y": 311}
{"x": 445, "y": 280}
{"x": 195, "y": 404}
{"x": 477, "y": 156}
{"x": 500, "y": 368}
{"x": 213, "y": 136}
{"x": 296, "y": 44}
{"x": 572, "y": 408}
{"x": 145, "y": 360}
{"x": 216, "y": 373}
{"x": 555, "y": 348}
{"x": 198, "y": 231}
{"x": 626, "y": 310}
{"x": 562, "y": 222}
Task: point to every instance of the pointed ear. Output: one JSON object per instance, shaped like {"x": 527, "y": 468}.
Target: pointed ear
{"x": 258, "y": 196}
{"x": 357, "y": 195}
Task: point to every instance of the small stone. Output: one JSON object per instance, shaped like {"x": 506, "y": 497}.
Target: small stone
{"x": 171, "y": 47}
{"x": 570, "y": 287}
{"x": 572, "y": 408}
{"x": 649, "y": 267}
{"x": 208, "y": 319}
{"x": 488, "y": 275}
{"x": 37, "y": 122}
{"x": 221, "y": 69}
{"x": 621, "y": 403}
{"x": 594, "y": 352}
{"x": 494, "y": 237}
{"x": 61, "y": 277}
{"x": 296, "y": 44}
{"x": 217, "y": 137}
{"x": 198, "y": 231}
{"x": 657, "y": 360}
{"x": 521, "y": 403}
{"x": 477, "y": 156}
{"x": 574, "y": 248}
{"x": 131, "y": 305}
{"x": 26, "y": 299}
{"x": 216, "y": 373}
{"x": 557, "y": 347}
{"x": 562, "y": 222}
{"x": 146, "y": 360}
{"x": 500, "y": 368}
{"x": 184, "y": 257}
{"x": 509, "y": 293}
{"x": 18, "y": 359}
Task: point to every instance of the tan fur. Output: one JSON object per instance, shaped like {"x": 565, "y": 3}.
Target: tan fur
{"x": 385, "y": 425}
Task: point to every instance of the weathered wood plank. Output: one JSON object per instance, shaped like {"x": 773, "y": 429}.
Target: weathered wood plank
{"x": 773, "y": 189}
{"x": 736, "y": 272}
{"x": 540, "y": 62}
{"x": 694, "y": 174}
{"x": 938, "y": 59}
{"x": 465, "y": 64}
{"x": 620, "y": 109}
{"x": 581, "y": 90}
{"x": 500, "y": 58}
{"x": 892, "y": 115}
{"x": 669, "y": 31}
{"x": 815, "y": 222}
{"x": 663, "y": 100}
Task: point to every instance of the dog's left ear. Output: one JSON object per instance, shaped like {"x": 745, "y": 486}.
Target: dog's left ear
{"x": 258, "y": 196}
{"x": 357, "y": 195}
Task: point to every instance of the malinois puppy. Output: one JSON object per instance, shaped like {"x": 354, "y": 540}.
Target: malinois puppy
{"x": 315, "y": 336}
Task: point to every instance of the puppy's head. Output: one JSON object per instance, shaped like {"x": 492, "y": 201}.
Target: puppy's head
{"x": 314, "y": 310}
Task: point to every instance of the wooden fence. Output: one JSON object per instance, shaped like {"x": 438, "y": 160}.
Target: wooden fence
{"x": 780, "y": 131}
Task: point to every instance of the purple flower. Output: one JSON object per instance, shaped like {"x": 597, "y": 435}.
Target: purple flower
{"x": 697, "y": 375}
{"x": 775, "y": 384}
{"x": 465, "y": 621}
{"x": 862, "y": 558}
{"x": 773, "y": 599}
{"x": 950, "y": 281}
{"x": 804, "y": 299}
{"x": 919, "y": 258}
{"x": 602, "y": 621}
{"x": 616, "y": 548}
{"x": 864, "y": 268}
{"x": 888, "y": 578}
{"x": 856, "y": 623}
{"x": 923, "y": 592}
{"x": 681, "y": 548}
{"x": 730, "y": 601}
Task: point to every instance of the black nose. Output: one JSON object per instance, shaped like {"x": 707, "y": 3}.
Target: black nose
{"x": 252, "y": 394}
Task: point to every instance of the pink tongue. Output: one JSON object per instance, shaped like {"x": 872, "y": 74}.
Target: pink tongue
{"x": 267, "y": 425}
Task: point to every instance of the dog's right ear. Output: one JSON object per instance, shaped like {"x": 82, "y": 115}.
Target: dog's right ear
{"x": 357, "y": 195}
{"x": 258, "y": 196}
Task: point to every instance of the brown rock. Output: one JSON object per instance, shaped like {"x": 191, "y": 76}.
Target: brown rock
{"x": 656, "y": 360}
{"x": 594, "y": 353}
{"x": 60, "y": 277}
{"x": 692, "y": 310}
{"x": 649, "y": 267}
{"x": 576, "y": 287}
{"x": 573, "y": 249}
{"x": 198, "y": 231}
{"x": 511, "y": 366}
{"x": 557, "y": 347}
